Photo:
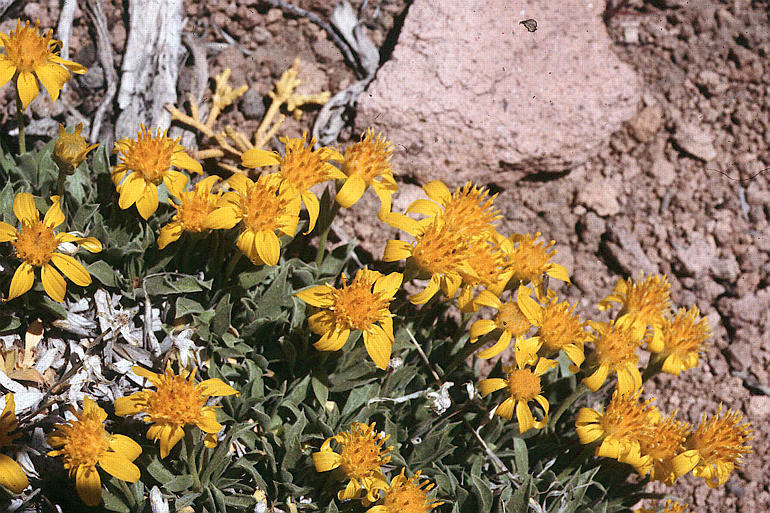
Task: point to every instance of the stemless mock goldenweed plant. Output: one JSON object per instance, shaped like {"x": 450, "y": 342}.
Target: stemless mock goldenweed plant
{"x": 406, "y": 495}
{"x": 12, "y": 476}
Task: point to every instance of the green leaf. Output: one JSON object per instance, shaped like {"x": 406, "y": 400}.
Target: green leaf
{"x": 185, "y": 306}
{"x": 520, "y": 455}
{"x": 113, "y": 503}
{"x": 102, "y": 271}
{"x": 158, "y": 471}
{"x": 483, "y": 493}
{"x": 358, "y": 396}
{"x": 320, "y": 390}
{"x": 221, "y": 321}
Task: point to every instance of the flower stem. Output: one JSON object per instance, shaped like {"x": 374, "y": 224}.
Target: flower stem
{"x": 333, "y": 210}
{"x": 579, "y": 392}
{"x": 191, "y": 464}
{"x": 20, "y": 116}
{"x": 128, "y": 494}
{"x": 237, "y": 254}
{"x": 60, "y": 184}
{"x": 654, "y": 366}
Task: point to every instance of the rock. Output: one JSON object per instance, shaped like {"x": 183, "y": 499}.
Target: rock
{"x": 94, "y": 79}
{"x": 646, "y": 123}
{"x": 696, "y": 141}
{"x": 712, "y": 82}
{"x": 251, "y": 104}
{"x": 759, "y": 408}
{"x": 601, "y": 196}
{"x": 233, "y": 58}
{"x": 473, "y": 95}
{"x": 590, "y": 228}
{"x": 625, "y": 249}
{"x": 726, "y": 269}
{"x": 663, "y": 171}
{"x": 325, "y": 50}
{"x": 698, "y": 256}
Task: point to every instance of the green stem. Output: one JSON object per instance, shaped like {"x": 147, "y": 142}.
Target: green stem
{"x": 577, "y": 461}
{"x": 333, "y": 210}
{"x": 460, "y": 356}
{"x": 60, "y": 185}
{"x": 20, "y": 116}
{"x": 579, "y": 392}
{"x": 191, "y": 464}
{"x": 237, "y": 254}
{"x": 128, "y": 494}
{"x": 654, "y": 366}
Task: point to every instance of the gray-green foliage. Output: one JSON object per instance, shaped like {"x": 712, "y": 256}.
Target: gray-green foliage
{"x": 293, "y": 397}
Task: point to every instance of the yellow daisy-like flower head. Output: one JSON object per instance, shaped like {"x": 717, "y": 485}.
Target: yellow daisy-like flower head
{"x": 177, "y": 402}
{"x": 715, "y": 448}
{"x": 362, "y": 305}
{"x": 468, "y": 209}
{"x": 70, "y": 150}
{"x": 615, "y": 344}
{"x": 511, "y": 323}
{"x": 31, "y": 56}
{"x": 619, "y": 427}
{"x": 559, "y": 327}
{"x": 301, "y": 167}
{"x": 265, "y": 209}
{"x": 361, "y": 454}
{"x": 646, "y": 301}
{"x": 523, "y": 385}
{"x": 530, "y": 260}
{"x": 84, "y": 443}
{"x": 659, "y": 443}
{"x": 680, "y": 340}
{"x": 145, "y": 163}
{"x": 36, "y": 246}
{"x": 12, "y": 476}
{"x": 671, "y": 507}
{"x": 406, "y": 495}
{"x": 489, "y": 262}
{"x": 194, "y": 212}
{"x": 439, "y": 253}
{"x": 367, "y": 164}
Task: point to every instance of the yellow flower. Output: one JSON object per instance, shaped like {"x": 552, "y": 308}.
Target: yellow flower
{"x": 619, "y": 427}
{"x": 362, "y": 305}
{"x": 645, "y": 301}
{"x": 468, "y": 209}
{"x": 715, "y": 448}
{"x": 264, "y": 208}
{"x": 12, "y": 476}
{"x": 530, "y": 261}
{"x": 29, "y": 54}
{"x": 70, "y": 150}
{"x": 83, "y": 443}
{"x": 194, "y": 212}
{"x": 512, "y": 325}
{"x": 489, "y": 263}
{"x": 177, "y": 403}
{"x": 144, "y": 164}
{"x": 301, "y": 167}
{"x": 659, "y": 443}
{"x": 523, "y": 386}
{"x": 680, "y": 340}
{"x": 360, "y": 458}
{"x": 36, "y": 246}
{"x": 615, "y": 343}
{"x": 671, "y": 507}
{"x": 439, "y": 253}
{"x": 406, "y": 496}
{"x": 367, "y": 164}
{"x": 559, "y": 327}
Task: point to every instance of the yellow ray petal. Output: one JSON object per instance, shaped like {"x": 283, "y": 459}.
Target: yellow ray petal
{"x": 88, "y": 485}
{"x": 147, "y": 203}
{"x": 182, "y": 160}
{"x": 524, "y": 417}
{"x": 125, "y": 446}
{"x": 53, "y": 283}
{"x": 8, "y": 233}
{"x": 268, "y": 246}
{"x": 53, "y": 77}
{"x": 326, "y": 460}
{"x": 487, "y": 386}
{"x": 27, "y": 85}
{"x": 12, "y": 476}
{"x": 378, "y": 346}
{"x": 72, "y": 269}
{"x": 54, "y": 217}
{"x": 24, "y": 208}
{"x": 215, "y": 387}
{"x": 119, "y": 466}
{"x": 351, "y": 191}
{"x": 22, "y": 280}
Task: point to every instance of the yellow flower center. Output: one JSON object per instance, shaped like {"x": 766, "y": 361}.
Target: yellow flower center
{"x": 176, "y": 401}
{"x": 27, "y": 49}
{"x": 36, "y": 243}
{"x": 625, "y": 416}
{"x": 301, "y": 166}
{"x": 648, "y": 300}
{"x": 560, "y": 327}
{"x": 70, "y": 150}
{"x": 263, "y": 207}
{"x": 685, "y": 334}
{"x": 406, "y": 497}
{"x": 194, "y": 208}
{"x": 664, "y": 440}
{"x": 86, "y": 440}
{"x": 530, "y": 258}
{"x": 523, "y": 384}
{"x": 357, "y": 307}
{"x": 511, "y": 319}
{"x": 369, "y": 158}
{"x": 471, "y": 210}
{"x": 440, "y": 249}
{"x": 488, "y": 262}
{"x": 721, "y": 439}
{"x": 362, "y": 452}
{"x": 617, "y": 345}
{"x": 150, "y": 156}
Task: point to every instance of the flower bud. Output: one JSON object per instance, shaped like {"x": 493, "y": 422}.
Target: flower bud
{"x": 70, "y": 150}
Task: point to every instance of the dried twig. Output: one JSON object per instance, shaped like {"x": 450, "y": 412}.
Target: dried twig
{"x": 64, "y": 30}
{"x": 107, "y": 61}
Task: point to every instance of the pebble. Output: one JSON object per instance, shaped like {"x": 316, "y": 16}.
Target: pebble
{"x": 647, "y": 123}
{"x": 601, "y": 196}
{"x": 695, "y": 141}
{"x": 251, "y": 104}
{"x": 726, "y": 269}
{"x": 698, "y": 256}
{"x": 759, "y": 408}
{"x": 663, "y": 171}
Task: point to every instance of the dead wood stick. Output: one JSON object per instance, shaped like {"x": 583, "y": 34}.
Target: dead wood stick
{"x": 107, "y": 61}
{"x": 64, "y": 30}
